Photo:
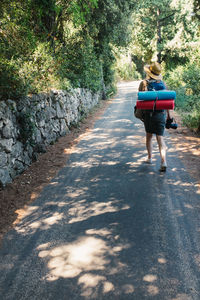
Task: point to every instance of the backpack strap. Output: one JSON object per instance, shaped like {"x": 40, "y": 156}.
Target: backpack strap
{"x": 154, "y": 105}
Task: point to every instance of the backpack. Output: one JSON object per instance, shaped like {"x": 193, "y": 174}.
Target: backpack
{"x": 150, "y": 85}
{"x": 153, "y": 85}
{"x": 139, "y": 113}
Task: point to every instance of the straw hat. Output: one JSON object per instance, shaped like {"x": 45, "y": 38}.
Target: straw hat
{"x": 153, "y": 70}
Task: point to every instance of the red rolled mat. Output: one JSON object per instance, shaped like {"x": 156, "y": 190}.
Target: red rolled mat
{"x": 160, "y": 104}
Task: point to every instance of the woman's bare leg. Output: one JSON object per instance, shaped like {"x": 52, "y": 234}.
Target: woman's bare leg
{"x": 149, "y": 144}
{"x": 162, "y": 148}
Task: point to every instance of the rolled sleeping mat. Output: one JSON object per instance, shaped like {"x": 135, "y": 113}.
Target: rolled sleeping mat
{"x": 159, "y": 95}
{"x": 160, "y": 104}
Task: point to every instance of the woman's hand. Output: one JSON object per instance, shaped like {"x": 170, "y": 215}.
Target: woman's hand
{"x": 168, "y": 114}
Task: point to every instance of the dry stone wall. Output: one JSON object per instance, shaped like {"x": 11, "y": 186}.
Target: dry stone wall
{"x": 32, "y": 123}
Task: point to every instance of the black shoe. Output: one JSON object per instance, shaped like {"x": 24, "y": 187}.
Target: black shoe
{"x": 163, "y": 167}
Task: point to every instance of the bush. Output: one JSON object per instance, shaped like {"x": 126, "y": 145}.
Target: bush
{"x": 189, "y": 107}
{"x": 174, "y": 78}
{"x": 191, "y": 77}
{"x": 41, "y": 70}
{"x": 181, "y": 99}
{"x": 192, "y": 120}
{"x": 81, "y": 66}
{"x": 12, "y": 84}
{"x": 186, "y": 81}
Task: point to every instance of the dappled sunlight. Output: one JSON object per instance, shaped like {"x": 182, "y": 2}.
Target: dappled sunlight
{"x": 127, "y": 288}
{"x": 85, "y": 164}
{"x": 88, "y": 282}
{"x": 88, "y": 260}
{"x": 83, "y": 210}
{"x": 188, "y": 206}
{"x": 188, "y": 149}
{"x": 100, "y": 232}
{"x": 76, "y": 209}
{"x": 178, "y": 213}
{"x": 127, "y": 121}
{"x": 179, "y": 182}
{"x": 183, "y": 297}
{"x": 110, "y": 163}
{"x": 186, "y": 185}
{"x": 100, "y": 145}
{"x": 76, "y": 193}
{"x": 153, "y": 290}
{"x": 197, "y": 260}
{"x": 162, "y": 260}
{"x": 92, "y": 260}
{"x": 38, "y": 222}
{"x": 86, "y": 254}
{"x": 150, "y": 278}
{"x": 93, "y": 136}
{"x": 24, "y": 212}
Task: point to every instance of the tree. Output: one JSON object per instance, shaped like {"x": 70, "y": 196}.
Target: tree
{"x": 64, "y": 40}
{"x": 197, "y": 8}
{"x": 163, "y": 28}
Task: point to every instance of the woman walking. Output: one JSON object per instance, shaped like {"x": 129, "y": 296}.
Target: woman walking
{"x": 154, "y": 121}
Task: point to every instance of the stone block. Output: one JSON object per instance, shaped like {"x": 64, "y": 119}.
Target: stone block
{"x": 3, "y": 159}
{"x": 17, "y": 149}
{"x": 6, "y": 145}
{"x": 5, "y": 176}
{"x": 59, "y": 112}
{"x": 8, "y": 130}
{"x": 63, "y": 128}
{"x": 19, "y": 167}
{"x": 38, "y": 137}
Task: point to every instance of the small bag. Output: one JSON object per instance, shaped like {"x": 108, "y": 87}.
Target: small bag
{"x": 138, "y": 113}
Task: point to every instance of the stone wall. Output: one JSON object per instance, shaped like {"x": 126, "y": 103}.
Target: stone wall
{"x": 30, "y": 124}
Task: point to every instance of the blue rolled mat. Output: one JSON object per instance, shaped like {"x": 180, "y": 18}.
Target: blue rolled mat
{"x": 159, "y": 95}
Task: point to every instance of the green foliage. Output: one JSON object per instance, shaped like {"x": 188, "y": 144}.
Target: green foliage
{"x": 16, "y": 37}
{"x": 125, "y": 67}
{"x": 191, "y": 77}
{"x": 81, "y": 67}
{"x": 197, "y": 9}
{"x": 190, "y": 110}
{"x": 57, "y": 44}
{"x": 80, "y": 9}
{"x": 12, "y": 84}
{"x": 192, "y": 120}
{"x": 186, "y": 81}
{"x": 40, "y": 70}
{"x": 164, "y": 30}
{"x": 168, "y": 30}
{"x": 174, "y": 78}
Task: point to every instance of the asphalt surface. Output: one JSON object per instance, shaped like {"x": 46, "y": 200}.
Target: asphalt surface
{"x": 109, "y": 226}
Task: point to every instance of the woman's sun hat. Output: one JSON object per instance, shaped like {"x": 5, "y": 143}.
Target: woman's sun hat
{"x": 153, "y": 70}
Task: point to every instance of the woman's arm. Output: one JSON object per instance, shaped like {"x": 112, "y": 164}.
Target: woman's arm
{"x": 168, "y": 114}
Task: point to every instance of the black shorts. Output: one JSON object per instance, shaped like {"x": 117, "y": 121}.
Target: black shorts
{"x": 154, "y": 122}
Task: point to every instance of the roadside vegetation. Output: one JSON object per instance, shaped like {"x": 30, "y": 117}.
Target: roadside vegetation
{"x": 64, "y": 44}
{"x": 167, "y": 31}
{"x": 60, "y": 44}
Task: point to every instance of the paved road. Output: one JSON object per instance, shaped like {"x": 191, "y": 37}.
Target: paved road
{"x": 108, "y": 226}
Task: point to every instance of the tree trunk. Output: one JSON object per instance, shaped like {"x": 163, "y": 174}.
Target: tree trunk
{"x": 159, "y": 38}
{"x": 103, "y": 84}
